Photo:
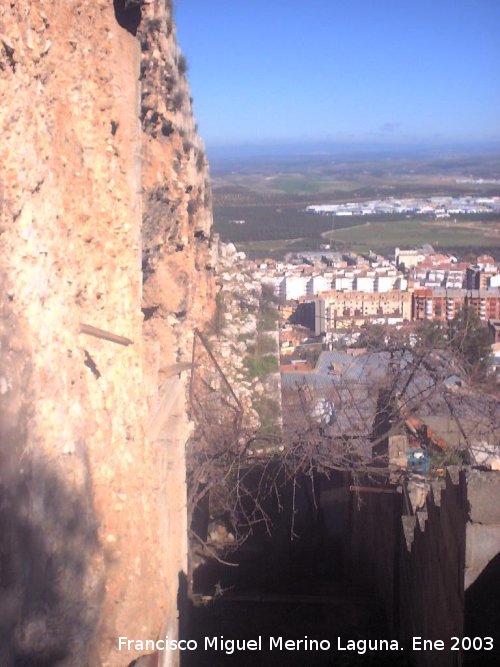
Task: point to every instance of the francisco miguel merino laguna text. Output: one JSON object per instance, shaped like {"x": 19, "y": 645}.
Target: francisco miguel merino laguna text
{"x": 230, "y": 646}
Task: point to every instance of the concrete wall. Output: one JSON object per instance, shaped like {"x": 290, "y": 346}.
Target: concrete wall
{"x": 483, "y": 527}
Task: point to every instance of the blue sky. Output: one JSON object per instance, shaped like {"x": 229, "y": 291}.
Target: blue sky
{"x": 343, "y": 70}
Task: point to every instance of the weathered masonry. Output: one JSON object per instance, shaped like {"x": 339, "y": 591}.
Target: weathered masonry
{"x": 106, "y": 268}
{"x": 432, "y": 556}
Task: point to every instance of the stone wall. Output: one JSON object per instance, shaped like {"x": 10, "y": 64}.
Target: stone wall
{"x": 105, "y": 210}
{"x": 431, "y": 580}
{"x": 414, "y": 562}
{"x": 374, "y": 542}
{"x": 434, "y": 561}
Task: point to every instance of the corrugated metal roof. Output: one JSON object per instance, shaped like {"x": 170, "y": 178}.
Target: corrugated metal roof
{"x": 352, "y": 384}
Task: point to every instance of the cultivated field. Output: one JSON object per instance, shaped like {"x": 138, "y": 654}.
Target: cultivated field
{"x": 271, "y": 196}
{"x": 442, "y": 235}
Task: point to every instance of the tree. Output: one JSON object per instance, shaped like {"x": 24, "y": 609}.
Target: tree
{"x": 390, "y": 390}
{"x": 432, "y": 334}
{"x": 470, "y": 339}
{"x": 373, "y": 336}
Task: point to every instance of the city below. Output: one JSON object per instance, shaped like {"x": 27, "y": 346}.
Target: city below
{"x": 329, "y": 296}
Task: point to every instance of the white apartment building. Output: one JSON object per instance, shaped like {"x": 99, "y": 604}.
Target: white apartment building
{"x": 385, "y": 283}
{"x": 365, "y": 283}
{"x": 318, "y": 284}
{"x": 344, "y": 283}
{"x": 408, "y": 257}
{"x": 293, "y": 287}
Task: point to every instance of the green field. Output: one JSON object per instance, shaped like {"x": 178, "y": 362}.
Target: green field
{"x": 299, "y": 184}
{"x": 404, "y": 233}
{"x": 384, "y": 236}
{"x": 276, "y": 249}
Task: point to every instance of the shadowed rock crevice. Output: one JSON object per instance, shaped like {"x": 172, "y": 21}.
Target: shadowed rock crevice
{"x": 128, "y": 14}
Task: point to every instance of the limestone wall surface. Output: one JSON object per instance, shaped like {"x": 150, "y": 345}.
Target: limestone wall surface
{"x": 105, "y": 221}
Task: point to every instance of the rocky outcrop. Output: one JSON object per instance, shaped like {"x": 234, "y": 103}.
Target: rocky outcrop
{"x": 176, "y": 194}
{"x": 244, "y": 337}
{"x": 105, "y": 223}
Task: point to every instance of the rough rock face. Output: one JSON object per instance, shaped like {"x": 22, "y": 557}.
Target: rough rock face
{"x": 105, "y": 210}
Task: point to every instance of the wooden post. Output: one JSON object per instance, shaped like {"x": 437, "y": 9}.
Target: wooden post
{"x": 371, "y": 489}
{"x": 105, "y": 335}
